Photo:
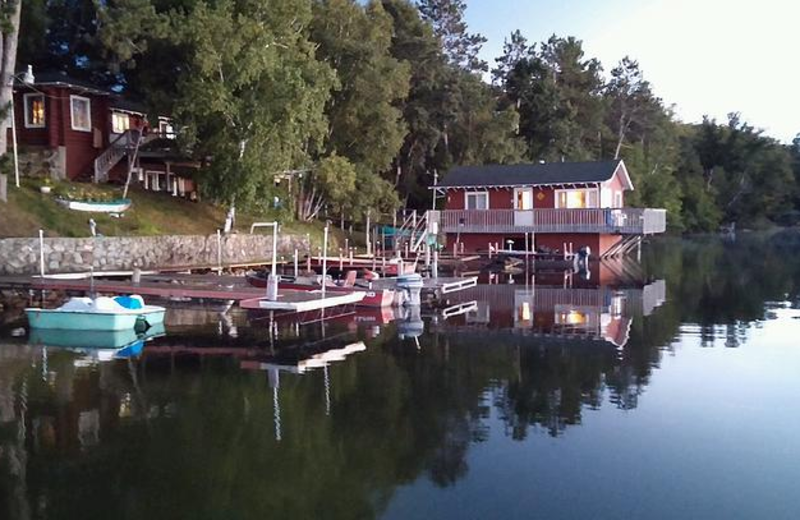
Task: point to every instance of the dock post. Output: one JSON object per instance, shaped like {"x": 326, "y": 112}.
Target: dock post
{"x": 427, "y": 256}
{"x": 272, "y": 279}
{"x": 435, "y": 263}
{"x": 341, "y": 260}
{"x": 219, "y": 252}
{"x": 41, "y": 253}
{"x": 296, "y": 260}
{"x": 324, "y": 258}
{"x": 367, "y": 233}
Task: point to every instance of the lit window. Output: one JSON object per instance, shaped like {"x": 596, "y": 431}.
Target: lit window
{"x": 165, "y": 128}
{"x": 571, "y": 317}
{"x": 34, "y": 111}
{"x": 576, "y": 199}
{"x": 477, "y": 200}
{"x": 81, "y": 113}
{"x": 120, "y": 122}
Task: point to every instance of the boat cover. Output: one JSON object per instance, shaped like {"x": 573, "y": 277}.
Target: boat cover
{"x": 101, "y": 304}
{"x": 133, "y": 302}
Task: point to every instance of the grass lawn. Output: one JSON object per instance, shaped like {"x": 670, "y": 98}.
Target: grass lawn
{"x": 28, "y": 210}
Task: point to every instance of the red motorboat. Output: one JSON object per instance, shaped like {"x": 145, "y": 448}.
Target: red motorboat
{"x": 372, "y": 298}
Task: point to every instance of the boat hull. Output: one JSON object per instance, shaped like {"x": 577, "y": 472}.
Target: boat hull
{"x": 54, "y": 319}
{"x": 117, "y": 206}
{"x": 153, "y": 315}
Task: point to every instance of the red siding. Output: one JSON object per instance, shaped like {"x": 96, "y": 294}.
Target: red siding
{"x": 617, "y": 186}
{"x": 81, "y": 147}
{"x": 81, "y": 150}
{"x": 503, "y": 198}
{"x": 544, "y": 198}
{"x": 479, "y": 242}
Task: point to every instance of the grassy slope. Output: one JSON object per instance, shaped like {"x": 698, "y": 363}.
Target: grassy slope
{"x": 28, "y": 211}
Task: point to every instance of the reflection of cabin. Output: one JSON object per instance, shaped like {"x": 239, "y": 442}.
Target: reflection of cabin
{"x": 73, "y": 130}
{"x": 600, "y": 313}
{"x": 577, "y": 204}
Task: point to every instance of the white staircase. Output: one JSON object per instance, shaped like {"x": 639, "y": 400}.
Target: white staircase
{"x": 413, "y": 234}
{"x": 124, "y": 144}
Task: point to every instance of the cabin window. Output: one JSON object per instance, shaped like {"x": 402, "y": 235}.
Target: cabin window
{"x": 165, "y": 128}
{"x": 618, "y": 199}
{"x": 577, "y": 199}
{"x": 81, "y": 113}
{"x": 571, "y": 317}
{"x": 120, "y": 122}
{"x": 476, "y": 200}
{"x": 34, "y": 110}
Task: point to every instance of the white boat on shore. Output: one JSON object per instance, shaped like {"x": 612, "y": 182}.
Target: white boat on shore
{"x": 114, "y": 206}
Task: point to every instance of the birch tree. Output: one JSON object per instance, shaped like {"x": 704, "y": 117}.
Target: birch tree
{"x": 9, "y": 32}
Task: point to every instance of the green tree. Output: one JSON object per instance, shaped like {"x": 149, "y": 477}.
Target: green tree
{"x": 631, "y": 103}
{"x": 365, "y": 124}
{"x": 251, "y": 95}
{"x": 558, "y": 95}
{"x": 460, "y": 46}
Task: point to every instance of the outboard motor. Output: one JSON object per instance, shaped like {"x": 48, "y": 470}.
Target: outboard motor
{"x": 411, "y": 287}
{"x": 409, "y": 323}
{"x": 583, "y": 258}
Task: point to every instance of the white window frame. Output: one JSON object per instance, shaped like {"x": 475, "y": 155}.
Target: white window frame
{"x": 119, "y": 113}
{"x": 617, "y": 199}
{"x": 166, "y": 128}
{"x": 468, "y": 194}
{"x": 72, "y": 99}
{"x": 154, "y": 180}
{"x": 588, "y": 191}
{"x": 26, "y": 111}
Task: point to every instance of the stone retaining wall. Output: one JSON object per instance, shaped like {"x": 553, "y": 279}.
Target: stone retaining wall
{"x": 65, "y": 255}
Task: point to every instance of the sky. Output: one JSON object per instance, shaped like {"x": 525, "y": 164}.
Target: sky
{"x": 702, "y": 56}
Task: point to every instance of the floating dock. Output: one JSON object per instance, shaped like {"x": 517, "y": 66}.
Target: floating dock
{"x": 303, "y": 301}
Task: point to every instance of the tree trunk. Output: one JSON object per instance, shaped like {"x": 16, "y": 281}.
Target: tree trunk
{"x": 8, "y": 55}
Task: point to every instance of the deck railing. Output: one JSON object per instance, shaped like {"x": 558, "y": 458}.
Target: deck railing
{"x": 621, "y": 221}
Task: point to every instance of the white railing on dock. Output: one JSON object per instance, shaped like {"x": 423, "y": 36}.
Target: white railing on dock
{"x": 601, "y": 220}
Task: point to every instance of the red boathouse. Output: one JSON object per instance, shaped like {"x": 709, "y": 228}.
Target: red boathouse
{"x": 558, "y": 206}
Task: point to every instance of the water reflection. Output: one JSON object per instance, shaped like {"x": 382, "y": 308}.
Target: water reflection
{"x": 340, "y": 415}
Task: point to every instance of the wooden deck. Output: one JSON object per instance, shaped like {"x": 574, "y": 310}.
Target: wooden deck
{"x": 613, "y": 221}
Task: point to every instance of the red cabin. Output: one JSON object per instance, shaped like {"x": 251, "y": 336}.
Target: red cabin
{"x": 549, "y": 206}
{"x": 69, "y": 129}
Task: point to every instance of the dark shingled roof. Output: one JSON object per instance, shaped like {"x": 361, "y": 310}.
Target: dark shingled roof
{"x": 117, "y": 100}
{"x": 60, "y": 78}
{"x": 530, "y": 174}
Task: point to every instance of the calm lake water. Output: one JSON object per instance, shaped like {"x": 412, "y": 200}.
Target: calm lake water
{"x": 666, "y": 390}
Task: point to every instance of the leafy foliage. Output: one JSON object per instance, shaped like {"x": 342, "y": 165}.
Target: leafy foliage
{"x": 387, "y": 95}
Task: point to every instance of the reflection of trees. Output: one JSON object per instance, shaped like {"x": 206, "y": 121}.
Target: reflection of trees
{"x": 208, "y": 448}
